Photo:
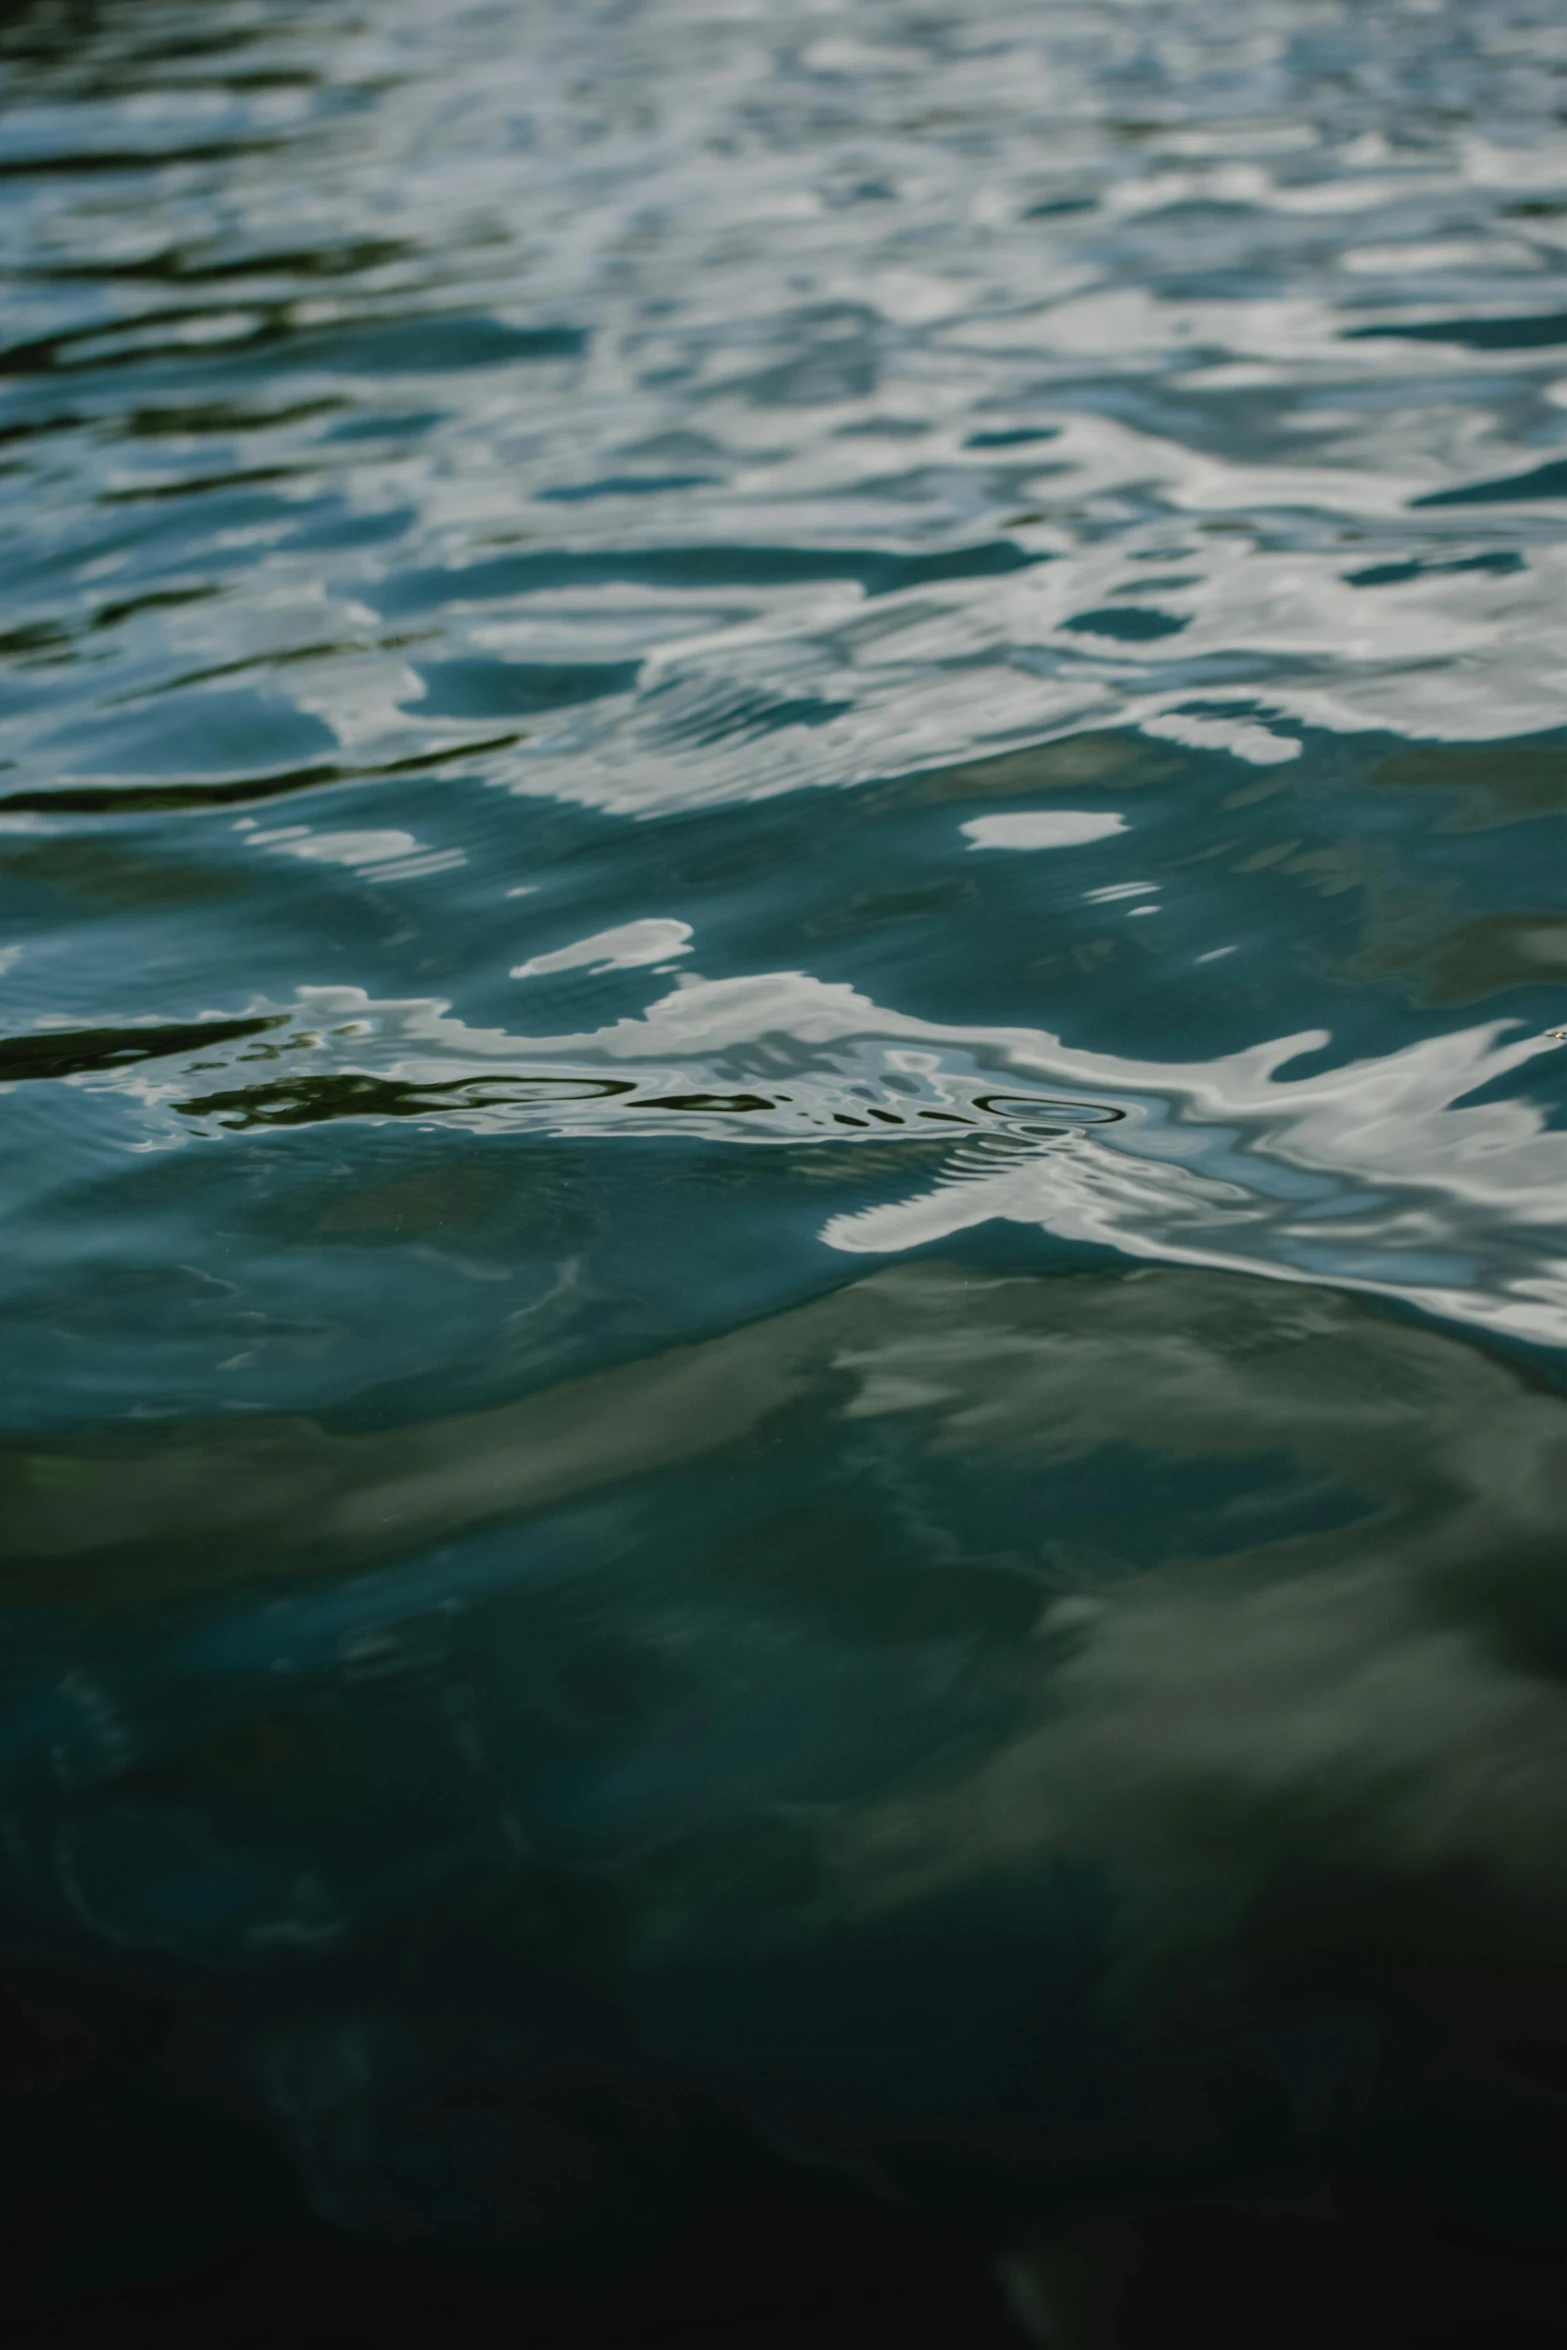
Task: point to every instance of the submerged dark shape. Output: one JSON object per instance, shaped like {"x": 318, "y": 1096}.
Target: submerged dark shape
{"x": 71, "y": 1052}
{"x": 1543, "y": 481}
{"x": 1474, "y": 961}
{"x": 1250, "y": 1838}
{"x": 350, "y": 1093}
{"x": 230, "y": 791}
{"x": 1492, "y": 783}
{"x": 413, "y": 344}
{"x": 1543, "y": 331}
{"x": 1499, "y": 566}
{"x": 1132, "y": 624}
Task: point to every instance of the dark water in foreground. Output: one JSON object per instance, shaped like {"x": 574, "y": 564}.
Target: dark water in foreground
{"x": 781, "y": 892}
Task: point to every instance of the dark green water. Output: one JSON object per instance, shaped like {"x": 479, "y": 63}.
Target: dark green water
{"x": 782, "y": 892}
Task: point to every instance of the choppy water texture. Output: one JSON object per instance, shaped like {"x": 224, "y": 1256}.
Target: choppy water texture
{"x": 781, "y": 802}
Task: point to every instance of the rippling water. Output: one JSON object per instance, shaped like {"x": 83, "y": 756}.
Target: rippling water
{"x": 780, "y": 822}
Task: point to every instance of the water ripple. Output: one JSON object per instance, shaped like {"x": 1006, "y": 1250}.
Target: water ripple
{"x": 649, "y": 649}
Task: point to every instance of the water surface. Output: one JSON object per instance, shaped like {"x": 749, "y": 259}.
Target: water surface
{"x": 781, "y": 909}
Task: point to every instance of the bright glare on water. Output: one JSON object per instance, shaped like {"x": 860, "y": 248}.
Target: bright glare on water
{"x": 783, "y": 956}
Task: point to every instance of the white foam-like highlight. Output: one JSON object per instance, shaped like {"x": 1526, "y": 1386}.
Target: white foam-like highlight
{"x": 1385, "y": 1175}
{"x": 625, "y": 948}
{"x": 1041, "y": 828}
{"x": 1239, "y": 736}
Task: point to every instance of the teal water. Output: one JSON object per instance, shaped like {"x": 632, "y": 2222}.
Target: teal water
{"x": 781, "y": 904}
